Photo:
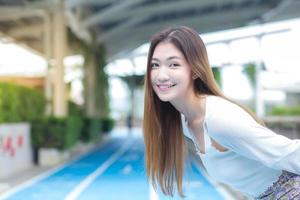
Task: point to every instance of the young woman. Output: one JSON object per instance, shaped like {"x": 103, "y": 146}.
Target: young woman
{"x": 234, "y": 146}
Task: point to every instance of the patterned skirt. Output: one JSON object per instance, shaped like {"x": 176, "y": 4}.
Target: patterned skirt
{"x": 287, "y": 187}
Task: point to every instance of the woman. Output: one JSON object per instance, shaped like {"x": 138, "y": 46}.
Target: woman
{"x": 234, "y": 146}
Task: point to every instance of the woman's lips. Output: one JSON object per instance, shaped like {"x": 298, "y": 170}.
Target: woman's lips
{"x": 165, "y": 87}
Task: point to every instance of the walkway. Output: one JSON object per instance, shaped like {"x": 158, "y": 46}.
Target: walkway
{"x": 113, "y": 171}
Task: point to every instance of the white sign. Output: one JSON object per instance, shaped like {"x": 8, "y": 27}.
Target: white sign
{"x": 15, "y": 148}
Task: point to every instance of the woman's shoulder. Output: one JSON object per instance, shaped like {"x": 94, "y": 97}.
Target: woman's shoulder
{"x": 217, "y": 105}
{"x": 221, "y": 111}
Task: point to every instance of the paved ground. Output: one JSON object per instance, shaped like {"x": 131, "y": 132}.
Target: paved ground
{"x": 112, "y": 171}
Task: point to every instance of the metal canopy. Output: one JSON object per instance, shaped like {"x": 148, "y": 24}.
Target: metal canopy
{"x": 123, "y": 25}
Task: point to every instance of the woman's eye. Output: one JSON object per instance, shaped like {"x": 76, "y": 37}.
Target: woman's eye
{"x": 174, "y": 65}
{"x": 153, "y": 65}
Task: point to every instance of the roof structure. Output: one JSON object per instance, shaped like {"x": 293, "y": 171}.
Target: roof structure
{"x": 123, "y": 25}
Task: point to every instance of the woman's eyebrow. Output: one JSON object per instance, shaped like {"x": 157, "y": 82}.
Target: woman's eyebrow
{"x": 173, "y": 57}
{"x": 169, "y": 58}
{"x": 155, "y": 59}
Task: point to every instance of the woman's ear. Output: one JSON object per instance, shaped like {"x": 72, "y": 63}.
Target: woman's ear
{"x": 194, "y": 76}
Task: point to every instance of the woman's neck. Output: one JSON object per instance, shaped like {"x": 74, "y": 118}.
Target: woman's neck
{"x": 193, "y": 108}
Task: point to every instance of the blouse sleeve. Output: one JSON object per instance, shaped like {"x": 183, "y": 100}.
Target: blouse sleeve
{"x": 235, "y": 129}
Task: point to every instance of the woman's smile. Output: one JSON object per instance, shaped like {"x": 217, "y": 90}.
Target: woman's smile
{"x": 165, "y": 87}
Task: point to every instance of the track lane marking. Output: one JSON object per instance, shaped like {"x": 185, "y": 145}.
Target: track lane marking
{"x": 87, "y": 181}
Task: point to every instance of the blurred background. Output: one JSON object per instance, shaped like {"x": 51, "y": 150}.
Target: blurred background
{"x": 72, "y": 71}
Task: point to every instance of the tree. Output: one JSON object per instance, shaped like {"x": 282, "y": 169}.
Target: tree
{"x": 95, "y": 81}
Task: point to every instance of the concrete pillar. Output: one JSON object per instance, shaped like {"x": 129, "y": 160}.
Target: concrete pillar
{"x": 132, "y": 89}
{"x": 90, "y": 101}
{"x": 60, "y": 50}
{"x": 48, "y": 55}
{"x": 259, "y": 103}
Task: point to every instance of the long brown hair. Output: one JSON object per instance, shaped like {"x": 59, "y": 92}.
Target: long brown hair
{"x": 165, "y": 149}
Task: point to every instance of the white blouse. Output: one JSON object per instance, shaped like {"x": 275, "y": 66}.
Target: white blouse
{"x": 256, "y": 155}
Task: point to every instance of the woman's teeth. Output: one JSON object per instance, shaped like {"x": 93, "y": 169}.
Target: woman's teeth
{"x": 166, "y": 86}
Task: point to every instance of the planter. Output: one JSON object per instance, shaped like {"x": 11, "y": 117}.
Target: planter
{"x": 15, "y": 148}
{"x": 51, "y": 156}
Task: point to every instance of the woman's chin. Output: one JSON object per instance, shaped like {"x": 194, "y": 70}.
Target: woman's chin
{"x": 165, "y": 99}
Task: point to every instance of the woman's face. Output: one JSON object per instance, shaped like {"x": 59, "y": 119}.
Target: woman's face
{"x": 170, "y": 73}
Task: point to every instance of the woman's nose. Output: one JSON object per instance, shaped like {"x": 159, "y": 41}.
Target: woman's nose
{"x": 163, "y": 75}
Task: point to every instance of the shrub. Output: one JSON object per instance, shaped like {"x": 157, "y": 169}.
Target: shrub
{"x": 286, "y": 111}
{"x": 18, "y": 103}
{"x": 107, "y": 125}
{"x": 91, "y": 129}
{"x": 49, "y": 133}
{"x": 74, "y": 125}
{"x": 59, "y": 133}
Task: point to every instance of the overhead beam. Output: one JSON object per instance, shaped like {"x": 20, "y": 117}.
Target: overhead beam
{"x": 139, "y": 15}
{"x": 161, "y": 8}
{"x": 77, "y": 3}
{"x": 202, "y": 24}
{"x": 19, "y": 15}
{"x": 150, "y": 11}
{"x": 74, "y": 21}
{"x": 214, "y": 18}
{"x": 108, "y": 12}
{"x": 116, "y": 31}
{"x": 285, "y": 11}
{"x": 32, "y": 45}
{"x": 272, "y": 13}
{"x": 35, "y": 30}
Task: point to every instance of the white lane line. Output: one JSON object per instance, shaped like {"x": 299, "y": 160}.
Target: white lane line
{"x": 87, "y": 181}
{"x": 33, "y": 180}
{"x": 43, "y": 175}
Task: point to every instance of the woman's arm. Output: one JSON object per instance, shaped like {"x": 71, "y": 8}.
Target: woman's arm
{"x": 237, "y": 130}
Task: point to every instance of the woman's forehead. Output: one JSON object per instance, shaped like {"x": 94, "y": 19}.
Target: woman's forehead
{"x": 166, "y": 50}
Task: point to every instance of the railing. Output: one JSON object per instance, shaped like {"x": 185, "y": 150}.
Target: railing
{"x": 288, "y": 126}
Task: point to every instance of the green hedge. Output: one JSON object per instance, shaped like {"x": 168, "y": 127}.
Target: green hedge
{"x": 18, "y": 103}
{"x": 94, "y": 126}
{"x": 60, "y": 133}
{"x": 63, "y": 133}
{"x": 217, "y": 75}
{"x": 286, "y": 111}
{"x": 48, "y": 132}
{"x": 107, "y": 125}
{"x": 91, "y": 129}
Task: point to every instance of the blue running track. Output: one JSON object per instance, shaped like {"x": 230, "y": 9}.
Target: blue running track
{"x": 114, "y": 171}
